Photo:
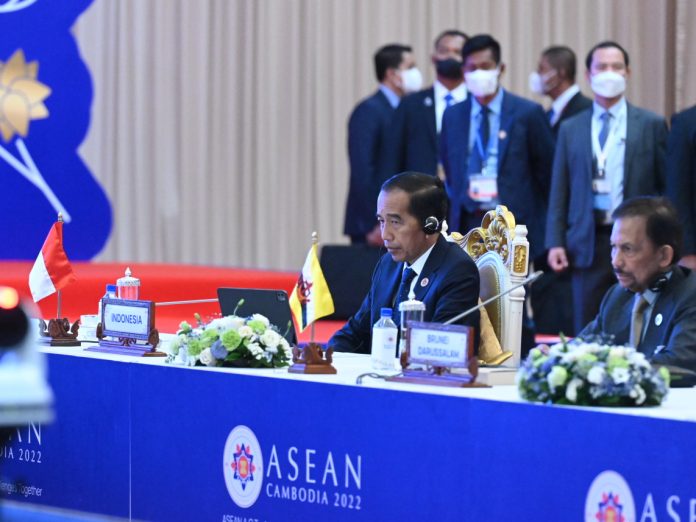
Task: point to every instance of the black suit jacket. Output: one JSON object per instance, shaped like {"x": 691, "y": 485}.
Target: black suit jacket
{"x": 576, "y": 104}
{"x": 414, "y": 141}
{"x": 368, "y": 132}
{"x": 451, "y": 286}
{"x": 681, "y": 173}
{"x": 524, "y": 163}
{"x": 670, "y": 337}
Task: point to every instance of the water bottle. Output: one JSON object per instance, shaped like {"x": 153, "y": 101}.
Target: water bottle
{"x": 384, "y": 334}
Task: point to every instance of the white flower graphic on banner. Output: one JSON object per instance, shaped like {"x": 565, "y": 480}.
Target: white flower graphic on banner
{"x": 21, "y": 101}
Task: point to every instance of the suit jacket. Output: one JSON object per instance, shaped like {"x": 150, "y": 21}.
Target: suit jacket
{"x": 576, "y": 104}
{"x": 524, "y": 163}
{"x": 670, "y": 337}
{"x": 681, "y": 173}
{"x": 368, "y": 131}
{"x": 452, "y": 287}
{"x": 571, "y": 220}
{"x": 413, "y": 144}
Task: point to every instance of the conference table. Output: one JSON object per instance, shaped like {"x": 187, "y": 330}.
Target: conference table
{"x": 137, "y": 438}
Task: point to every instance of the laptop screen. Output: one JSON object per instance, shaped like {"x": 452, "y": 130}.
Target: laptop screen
{"x": 271, "y": 303}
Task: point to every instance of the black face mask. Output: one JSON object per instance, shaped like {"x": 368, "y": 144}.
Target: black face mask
{"x": 449, "y": 68}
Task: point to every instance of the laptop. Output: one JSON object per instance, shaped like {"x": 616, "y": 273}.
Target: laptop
{"x": 273, "y": 304}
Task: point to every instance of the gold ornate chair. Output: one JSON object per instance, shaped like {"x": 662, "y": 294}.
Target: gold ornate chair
{"x": 501, "y": 251}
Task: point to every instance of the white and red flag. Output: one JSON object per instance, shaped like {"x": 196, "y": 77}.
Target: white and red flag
{"x": 52, "y": 270}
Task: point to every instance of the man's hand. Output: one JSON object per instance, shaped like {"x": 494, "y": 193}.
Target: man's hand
{"x": 374, "y": 237}
{"x": 557, "y": 259}
{"x": 688, "y": 261}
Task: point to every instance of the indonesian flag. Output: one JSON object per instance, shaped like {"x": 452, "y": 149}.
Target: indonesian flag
{"x": 310, "y": 299}
{"x": 52, "y": 270}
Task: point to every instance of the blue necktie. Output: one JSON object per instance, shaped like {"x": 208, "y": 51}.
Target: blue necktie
{"x": 551, "y": 113}
{"x": 604, "y": 131}
{"x": 449, "y": 100}
{"x": 402, "y": 295}
{"x": 484, "y": 127}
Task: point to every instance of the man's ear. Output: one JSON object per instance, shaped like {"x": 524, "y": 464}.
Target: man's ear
{"x": 666, "y": 256}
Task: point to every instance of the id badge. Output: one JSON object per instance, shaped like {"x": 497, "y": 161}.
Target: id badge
{"x": 601, "y": 186}
{"x": 483, "y": 188}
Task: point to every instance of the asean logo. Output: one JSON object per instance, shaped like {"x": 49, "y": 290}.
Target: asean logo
{"x": 609, "y": 499}
{"x": 242, "y": 466}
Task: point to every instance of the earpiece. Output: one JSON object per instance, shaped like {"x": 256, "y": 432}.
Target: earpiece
{"x": 431, "y": 225}
{"x": 659, "y": 282}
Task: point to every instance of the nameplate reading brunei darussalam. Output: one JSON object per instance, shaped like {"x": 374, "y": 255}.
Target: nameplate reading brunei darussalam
{"x": 439, "y": 345}
{"x": 127, "y": 318}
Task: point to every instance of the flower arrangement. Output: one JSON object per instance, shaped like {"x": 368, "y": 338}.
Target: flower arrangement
{"x": 591, "y": 374}
{"x": 231, "y": 341}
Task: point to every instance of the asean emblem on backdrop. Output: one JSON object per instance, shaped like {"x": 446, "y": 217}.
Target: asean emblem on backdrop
{"x": 609, "y": 498}
{"x": 45, "y": 105}
{"x": 242, "y": 464}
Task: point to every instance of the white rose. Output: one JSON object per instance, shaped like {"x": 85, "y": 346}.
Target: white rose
{"x": 231, "y": 322}
{"x": 245, "y": 331}
{"x": 286, "y": 348}
{"x": 620, "y": 375}
{"x": 262, "y": 318}
{"x": 270, "y": 339}
{"x": 572, "y": 389}
{"x": 207, "y": 358}
{"x": 618, "y": 351}
{"x": 596, "y": 375}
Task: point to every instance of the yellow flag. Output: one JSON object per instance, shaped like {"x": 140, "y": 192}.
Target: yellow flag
{"x": 310, "y": 299}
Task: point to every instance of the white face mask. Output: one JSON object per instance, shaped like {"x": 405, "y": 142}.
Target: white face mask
{"x": 608, "y": 84}
{"x": 411, "y": 80}
{"x": 538, "y": 84}
{"x": 482, "y": 82}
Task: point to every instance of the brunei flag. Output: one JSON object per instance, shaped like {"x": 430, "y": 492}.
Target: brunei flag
{"x": 310, "y": 299}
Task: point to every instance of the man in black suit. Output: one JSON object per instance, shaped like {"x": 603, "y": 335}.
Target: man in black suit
{"x": 551, "y": 295}
{"x": 653, "y": 306}
{"x": 410, "y": 210}
{"x": 418, "y": 119}
{"x": 681, "y": 178}
{"x": 555, "y": 78}
{"x": 496, "y": 148}
{"x": 605, "y": 155}
{"x": 368, "y": 131}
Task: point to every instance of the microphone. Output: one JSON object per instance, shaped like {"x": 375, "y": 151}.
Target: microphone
{"x": 536, "y": 275}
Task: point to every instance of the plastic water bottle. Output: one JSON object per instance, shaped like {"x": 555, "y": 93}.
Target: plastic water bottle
{"x": 384, "y": 334}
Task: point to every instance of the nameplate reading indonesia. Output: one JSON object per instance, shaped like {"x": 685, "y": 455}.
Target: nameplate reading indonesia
{"x": 127, "y": 318}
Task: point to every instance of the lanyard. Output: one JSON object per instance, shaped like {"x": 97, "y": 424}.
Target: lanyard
{"x": 603, "y": 153}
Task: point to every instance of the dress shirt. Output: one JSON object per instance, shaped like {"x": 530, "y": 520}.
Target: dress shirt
{"x": 560, "y": 103}
{"x": 614, "y": 169}
{"x": 392, "y": 97}
{"x": 439, "y": 92}
{"x": 417, "y": 267}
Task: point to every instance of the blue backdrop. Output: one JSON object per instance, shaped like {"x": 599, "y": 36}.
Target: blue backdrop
{"x": 57, "y": 125}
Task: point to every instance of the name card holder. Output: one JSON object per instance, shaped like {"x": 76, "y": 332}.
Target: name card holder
{"x": 127, "y": 328}
{"x": 435, "y": 351}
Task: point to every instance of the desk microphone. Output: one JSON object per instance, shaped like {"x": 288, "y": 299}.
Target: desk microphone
{"x": 536, "y": 275}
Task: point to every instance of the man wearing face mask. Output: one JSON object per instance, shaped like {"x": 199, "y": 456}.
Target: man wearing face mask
{"x": 555, "y": 78}
{"x": 612, "y": 152}
{"x": 368, "y": 132}
{"x": 418, "y": 119}
{"x": 496, "y": 148}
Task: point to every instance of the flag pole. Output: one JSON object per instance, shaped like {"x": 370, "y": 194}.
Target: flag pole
{"x": 315, "y": 240}
{"x": 59, "y": 299}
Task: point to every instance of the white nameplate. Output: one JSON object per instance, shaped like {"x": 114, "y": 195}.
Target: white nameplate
{"x": 127, "y": 318}
{"x": 441, "y": 345}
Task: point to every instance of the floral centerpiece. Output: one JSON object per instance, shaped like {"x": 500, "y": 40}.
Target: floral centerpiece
{"x": 591, "y": 374}
{"x": 231, "y": 341}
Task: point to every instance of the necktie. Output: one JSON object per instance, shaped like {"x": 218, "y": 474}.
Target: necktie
{"x": 604, "y": 131}
{"x": 551, "y": 115}
{"x": 449, "y": 100}
{"x": 402, "y": 295}
{"x": 484, "y": 127}
{"x": 639, "y": 306}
